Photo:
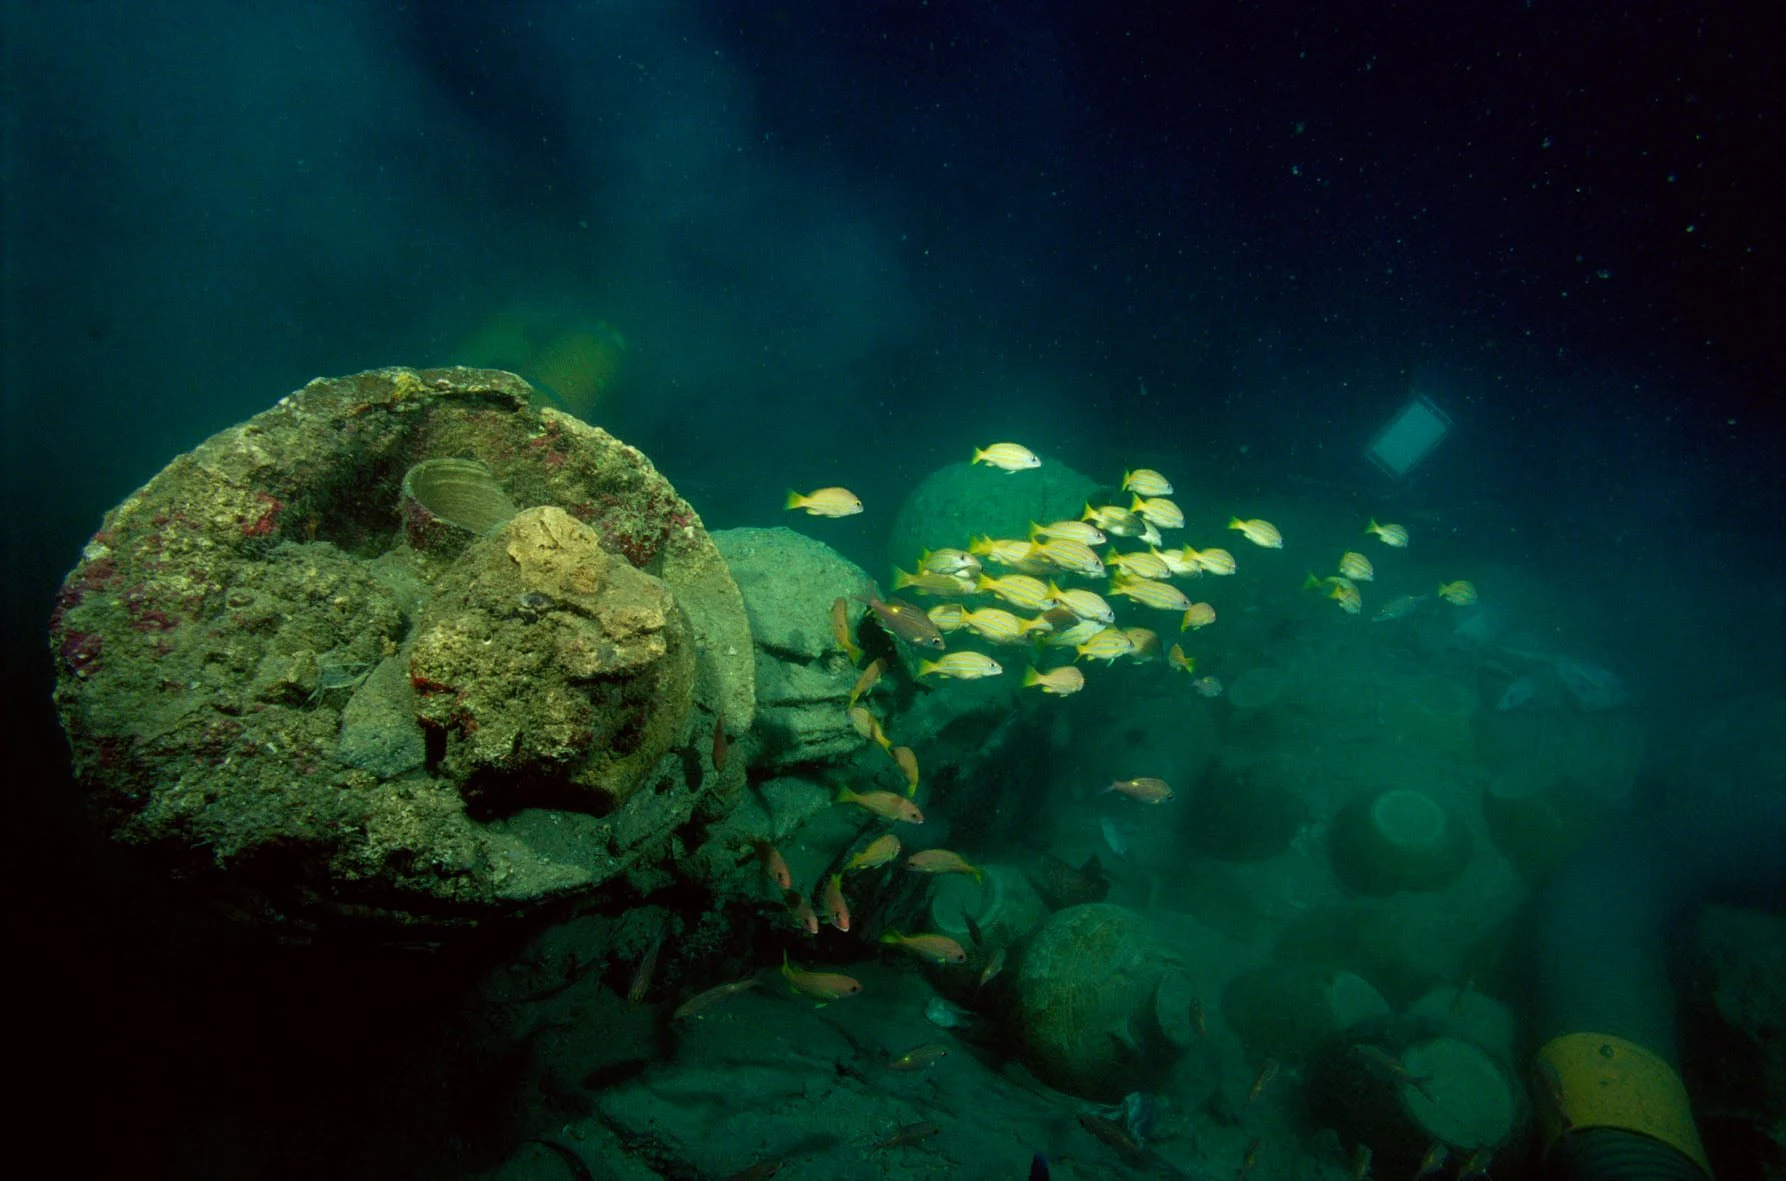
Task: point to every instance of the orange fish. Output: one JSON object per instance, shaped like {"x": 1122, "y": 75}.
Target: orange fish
{"x": 840, "y": 630}
{"x": 1250, "y": 1159}
{"x": 1462, "y": 593}
{"x": 919, "y": 1057}
{"x": 837, "y": 911}
{"x": 648, "y": 966}
{"x": 938, "y": 949}
{"x": 825, "y": 986}
{"x": 1146, "y": 789}
{"x": 1199, "y": 615}
{"x": 804, "y": 916}
{"x": 941, "y": 861}
{"x": 995, "y": 963}
{"x": 907, "y": 1135}
{"x": 826, "y": 502}
{"x": 866, "y": 681}
{"x": 722, "y": 750}
{"x": 881, "y": 850}
{"x": 1258, "y": 531}
{"x": 1114, "y": 1134}
{"x": 1391, "y": 1069}
{"x": 761, "y": 1171}
{"x": 775, "y": 866}
{"x": 926, "y": 582}
{"x": 908, "y": 765}
{"x": 1433, "y": 1163}
{"x": 1007, "y": 457}
{"x": 885, "y": 804}
{"x": 1390, "y": 534}
{"x": 1261, "y": 1081}
{"x": 1060, "y": 681}
{"x": 869, "y": 727}
{"x": 906, "y": 621}
{"x": 700, "y": 1002}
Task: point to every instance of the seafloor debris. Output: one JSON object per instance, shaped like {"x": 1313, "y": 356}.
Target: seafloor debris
{"x": 287, "y": 671}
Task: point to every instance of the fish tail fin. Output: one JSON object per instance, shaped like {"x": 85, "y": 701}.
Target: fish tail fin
{"x": 1311, "y": 582}
{"x": 1233, "y": 522}
{"x": 794, "y": 499}
{"x": 1030, "y": 677}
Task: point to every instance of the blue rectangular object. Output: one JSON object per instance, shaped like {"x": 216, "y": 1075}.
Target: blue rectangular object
{"x": 1409, "y": 437}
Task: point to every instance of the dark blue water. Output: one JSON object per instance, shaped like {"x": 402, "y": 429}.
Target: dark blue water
{"x": 845, "y": 243}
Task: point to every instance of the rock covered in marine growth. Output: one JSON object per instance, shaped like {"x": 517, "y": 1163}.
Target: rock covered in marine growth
{"x": 789, "y": 582}
{"x": 1088, "y": 989}
{"x": 543, "y": 656}
{"x": 404, "y": 648}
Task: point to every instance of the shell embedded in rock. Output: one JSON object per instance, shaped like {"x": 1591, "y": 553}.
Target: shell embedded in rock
{"x": 461, "y": 492}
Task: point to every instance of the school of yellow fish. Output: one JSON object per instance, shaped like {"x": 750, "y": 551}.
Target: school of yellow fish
{"x": 1018, "y": 594}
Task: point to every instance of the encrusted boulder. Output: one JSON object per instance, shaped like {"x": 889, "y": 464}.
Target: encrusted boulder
{"x": 544, "y": 657}
{"x": 1087, "y": 1010}
{"x": 789, "y": 583}
{"x": 405, "y": 648}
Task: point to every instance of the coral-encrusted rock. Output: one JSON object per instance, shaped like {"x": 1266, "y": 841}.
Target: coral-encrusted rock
{"x": 291, "y": 700}
{"x": 546, "y": 660}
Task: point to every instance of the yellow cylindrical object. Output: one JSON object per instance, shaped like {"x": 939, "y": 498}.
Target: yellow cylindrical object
{"x": 1596, "y": 1080}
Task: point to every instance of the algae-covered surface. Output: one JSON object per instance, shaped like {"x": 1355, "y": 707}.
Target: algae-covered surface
{"x": 280, "y": 677}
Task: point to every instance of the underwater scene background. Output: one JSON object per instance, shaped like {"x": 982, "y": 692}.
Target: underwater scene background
{"x": 413, "y": 779}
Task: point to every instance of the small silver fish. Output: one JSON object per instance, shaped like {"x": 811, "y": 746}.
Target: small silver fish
{"x": 947, "y": 1014}
{"x": 1591, "y": 687}
{"x": 1398, "y": 608}
{"x": 1113, "y": 836}
{"x": 1522, "y": 692}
